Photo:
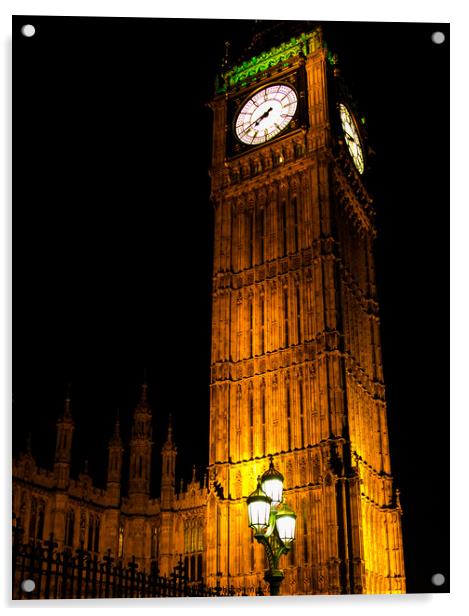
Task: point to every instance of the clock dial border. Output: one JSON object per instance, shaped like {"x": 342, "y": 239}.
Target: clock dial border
{"x": 295, "y": 79}
{"x": 292, "y": 100}
{"x": 347, "y": 138}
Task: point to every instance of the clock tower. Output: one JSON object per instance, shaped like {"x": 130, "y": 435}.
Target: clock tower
{"x": 296, "y": 368}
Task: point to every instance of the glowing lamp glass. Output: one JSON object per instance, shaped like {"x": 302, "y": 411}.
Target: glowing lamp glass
{"x": 258, "y": 509}
{"x": 259, "y": 513}
{"x": 274, "y": 489}
{"x": 286, "y": 524}
{"x": 272, "y": 483}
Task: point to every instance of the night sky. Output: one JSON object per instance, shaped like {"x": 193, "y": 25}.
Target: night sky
{"x": 113, "y": 238}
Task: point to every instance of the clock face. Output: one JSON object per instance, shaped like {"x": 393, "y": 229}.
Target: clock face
{"x": 351, "y": 137}
{"x": 266, "y": 114}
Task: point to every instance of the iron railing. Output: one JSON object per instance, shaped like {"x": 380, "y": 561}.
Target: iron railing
{"x": 80, "y": 574}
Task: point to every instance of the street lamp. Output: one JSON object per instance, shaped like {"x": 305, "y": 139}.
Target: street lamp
{"x": 273, "y": 522}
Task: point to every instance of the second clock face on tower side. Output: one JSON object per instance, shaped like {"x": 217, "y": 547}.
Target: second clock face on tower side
{"x": 265, "y": 114}
{"x": 352, "y": 138}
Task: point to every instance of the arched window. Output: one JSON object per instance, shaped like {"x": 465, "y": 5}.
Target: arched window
{"x": 305, "y": 537}
{"x": 251, "y": 333}
{"x": 154, "y": 543}
{"x": 33, "y": 519}
{"x": 262, "y": 320}
{"x": 120, "y": 549}
{"x": 249, "y": 237}
{"x": 251, "y": 421}
{"x": 295, "y": 221}
{"x": 298, "y": 315}
{"x": 285, "y": 317}
{"x": 96, "y": 534}
{"x": 70, "y": 528}
{"x": 261, "y": 234}
{"x": 90, "y": 533}
{"x": 302, "y": 416}
{"x": 263, "y": 415}
{"x": 40, "y": 521}
{"x": 283, "y": 222}
{"x": 192, "y": 576}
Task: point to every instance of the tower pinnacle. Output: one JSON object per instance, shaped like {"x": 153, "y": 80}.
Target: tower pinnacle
{"x": 67, "y": 413}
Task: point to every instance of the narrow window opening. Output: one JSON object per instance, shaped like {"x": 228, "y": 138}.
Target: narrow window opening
{"x": 285, "y": 317}
{"x": 262, "y": 325}
{"x": 90, "y": 534}
{"x": 298, "y": 316}
{"x": 261, "y": 234}
{"x": 40, "y": 522}
{"x": 295, "y": 214}
{"x": 251, "y": 421}
{"x": 199, "y": 567}
{"x": 96, "y": 535}
{"x": 302, "y": 419}
{"x": 284, "y": 228}
{"x": 250, "y": 328}
{"x": 263, "y": 416}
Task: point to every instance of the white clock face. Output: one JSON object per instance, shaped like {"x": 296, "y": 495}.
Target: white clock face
{"x": 266, "y": 114}
{"x": 351, "y": 137}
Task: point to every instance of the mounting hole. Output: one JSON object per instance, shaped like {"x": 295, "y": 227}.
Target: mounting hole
{"x": 28, "y": 30}
{"x": 438, "y": 579}
{"x": 28, "y": 585}
{"x": 438, "y": 37}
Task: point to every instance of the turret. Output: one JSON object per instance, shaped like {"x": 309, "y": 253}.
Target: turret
{"x": 114, "y": 466}
{"x": 168, "y": 469}
{"x": 63, "y": 447}
{"x": 140, "y": 450}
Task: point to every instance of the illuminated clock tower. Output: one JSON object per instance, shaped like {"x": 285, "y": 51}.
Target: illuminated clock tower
{"x": 296, "y": 359}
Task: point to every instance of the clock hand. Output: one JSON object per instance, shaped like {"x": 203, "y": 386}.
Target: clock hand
{"x": 263, "y": 116}
{"x": 256, "y": 122}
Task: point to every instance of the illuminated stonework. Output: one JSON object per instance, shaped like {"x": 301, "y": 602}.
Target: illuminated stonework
{"x": 247, "y": 70}
{"x": 296, "y": 357}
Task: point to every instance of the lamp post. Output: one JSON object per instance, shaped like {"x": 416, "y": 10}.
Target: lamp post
{"x": 273, "y": 522}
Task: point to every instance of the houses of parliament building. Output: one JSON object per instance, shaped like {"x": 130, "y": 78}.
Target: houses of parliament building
{"x": 296, "y": 368}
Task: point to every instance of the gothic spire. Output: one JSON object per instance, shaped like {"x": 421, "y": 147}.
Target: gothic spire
{"x": 116, "y": 437}
{"x": 169, "y": 445}
{"x": 143, "y": 402}
{"x": 169, "y": 438}
{"x": 67, "y": 414}
{"x": 144, "y": 393}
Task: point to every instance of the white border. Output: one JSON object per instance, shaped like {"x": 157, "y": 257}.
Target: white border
{"x": 357, "y": 10}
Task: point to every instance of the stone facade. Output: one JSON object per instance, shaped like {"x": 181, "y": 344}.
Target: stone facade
{"x": 296, "y": 357}
{"x": 151, "y": 529}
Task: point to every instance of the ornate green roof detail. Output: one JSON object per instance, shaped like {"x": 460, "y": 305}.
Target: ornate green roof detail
{"x": 240, "y": 75}
{"x": 331, "y": 58}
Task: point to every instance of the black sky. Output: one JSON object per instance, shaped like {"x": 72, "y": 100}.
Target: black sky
{"x": 113, "y": 235}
